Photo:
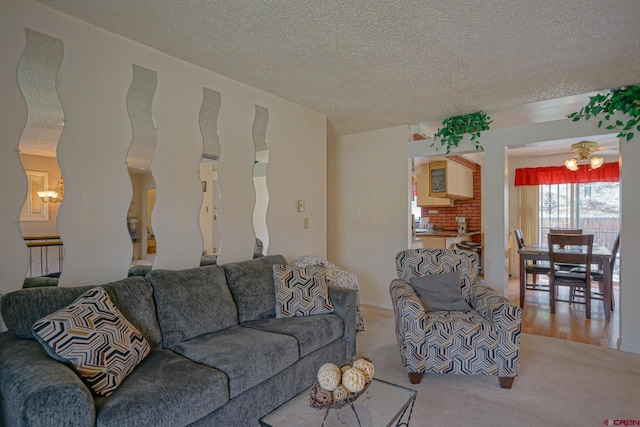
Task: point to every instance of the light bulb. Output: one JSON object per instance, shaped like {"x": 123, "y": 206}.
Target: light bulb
{"x": 596, "y": 162}
{"x": 571, "y": 164}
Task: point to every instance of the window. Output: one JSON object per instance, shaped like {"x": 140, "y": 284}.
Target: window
{"x": 34, "y": 209}
{"x": 592, "y": 207}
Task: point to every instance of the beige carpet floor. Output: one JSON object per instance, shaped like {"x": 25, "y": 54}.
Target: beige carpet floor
{"x": 561, "y": 383}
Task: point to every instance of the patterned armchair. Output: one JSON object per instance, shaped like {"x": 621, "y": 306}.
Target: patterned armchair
{"x": 485, "y": 340}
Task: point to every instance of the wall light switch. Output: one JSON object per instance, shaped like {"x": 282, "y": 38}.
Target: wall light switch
{"x": 300, "y": 205}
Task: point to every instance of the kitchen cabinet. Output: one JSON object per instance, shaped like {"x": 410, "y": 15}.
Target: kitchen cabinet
{"x": 450, "y": 180}
{"x": 424, "y": 199}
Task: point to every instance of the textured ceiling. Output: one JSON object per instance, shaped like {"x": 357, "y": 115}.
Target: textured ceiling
{"x": 372, "y": 64}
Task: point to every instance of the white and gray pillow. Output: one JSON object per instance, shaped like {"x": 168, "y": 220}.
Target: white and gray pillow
{"x": 300, "y": 291}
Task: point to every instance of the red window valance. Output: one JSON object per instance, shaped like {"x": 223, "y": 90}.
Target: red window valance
{"x": 608, "y": 172}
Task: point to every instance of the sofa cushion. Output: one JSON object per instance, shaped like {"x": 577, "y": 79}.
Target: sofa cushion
{"x": 166, "y": 389}
{"x": 251, "y": 283}
{"x": 312, "y": 332}
{"x": 300, "y": 291}
{"x": 192, "y": 302}
{"x": 133, "y": 297}
{"x": 22, "y": 308}
{"x": 95, "y": 338}
{"x": 246, "y": 355}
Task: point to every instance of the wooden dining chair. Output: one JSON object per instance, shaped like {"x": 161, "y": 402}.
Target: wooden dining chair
{"x": 566, "y": 267}
{"x": 574, "y": 249}
{"x": 597, "y": 274}
{"x": 565, "y": 231}
{"x": 534, "y": 268}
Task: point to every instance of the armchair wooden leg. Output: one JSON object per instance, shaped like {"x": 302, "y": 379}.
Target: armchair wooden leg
{"x": 415, "y": 377}
{"x": 506, "y": 382}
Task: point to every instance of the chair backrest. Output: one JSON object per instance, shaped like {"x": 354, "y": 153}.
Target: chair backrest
{"x": 421, "y": 262}
{"x": 570, "y": 249}
{"x": 519, "y": 238}
{"x": 565, "y": 231}
{"x": 614, "y": 252}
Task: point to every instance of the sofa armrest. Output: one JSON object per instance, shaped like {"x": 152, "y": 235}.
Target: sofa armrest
{"x": 410, "y": 320}
{"x": 344, "y": 303}
{"x": 506, "y": 318}
{"x": 37, "y": 390}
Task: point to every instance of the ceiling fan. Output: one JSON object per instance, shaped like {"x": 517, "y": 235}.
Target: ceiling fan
{"x": 583, "y": 154}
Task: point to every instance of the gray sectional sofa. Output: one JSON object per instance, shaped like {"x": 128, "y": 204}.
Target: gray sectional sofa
{"x": 219, "y": 357}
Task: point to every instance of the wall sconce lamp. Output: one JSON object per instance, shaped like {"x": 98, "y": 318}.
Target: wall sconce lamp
{"x": 583, "y": 151}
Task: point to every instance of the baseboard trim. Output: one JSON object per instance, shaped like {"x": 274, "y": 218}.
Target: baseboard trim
{"x": 628, "y": 348}
{"x": 378, "y": 305}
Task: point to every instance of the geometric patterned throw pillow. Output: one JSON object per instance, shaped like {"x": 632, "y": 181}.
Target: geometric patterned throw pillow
{"x": 300, "y": 291}
{"x": 94, "y": 337}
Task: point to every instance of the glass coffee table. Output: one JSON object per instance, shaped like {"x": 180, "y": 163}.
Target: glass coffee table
{"x": 383, "y": 404}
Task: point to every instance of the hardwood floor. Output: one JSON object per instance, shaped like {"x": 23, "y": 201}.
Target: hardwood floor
{"x": 569, "y": 321}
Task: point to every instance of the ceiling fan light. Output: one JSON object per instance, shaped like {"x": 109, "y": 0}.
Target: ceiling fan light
{"x": 596, "y": 162}
{"x": 571, "y": 164}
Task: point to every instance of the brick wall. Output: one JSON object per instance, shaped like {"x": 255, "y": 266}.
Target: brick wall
{"x": 471, "y": 209}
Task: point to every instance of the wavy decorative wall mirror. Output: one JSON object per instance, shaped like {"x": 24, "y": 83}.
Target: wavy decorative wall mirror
{"x": 37, "y": 73}
{"x": 143, "y": 142}
{"x": 260, "y": 123}
{"x": 211, "y": 195}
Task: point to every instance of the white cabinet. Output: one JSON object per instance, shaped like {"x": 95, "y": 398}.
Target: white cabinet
{"x": 465, "y": 182}
{"x": 424, "y": 199}
{"x": 450, "y": 180}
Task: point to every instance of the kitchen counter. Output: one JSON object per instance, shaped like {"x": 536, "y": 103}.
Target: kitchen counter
{"x": 452, "y": 233}
{"x": 443, "y": 239}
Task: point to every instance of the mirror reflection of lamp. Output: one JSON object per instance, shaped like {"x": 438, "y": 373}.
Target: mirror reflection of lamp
{"x": 53, "y": 196}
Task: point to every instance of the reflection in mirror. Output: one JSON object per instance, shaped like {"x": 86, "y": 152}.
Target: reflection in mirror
{"x": 260, "y": 165}
{"x": 143, "y": 142}
{"x": 211, "y": 195}
{"x": 37, "y": 73}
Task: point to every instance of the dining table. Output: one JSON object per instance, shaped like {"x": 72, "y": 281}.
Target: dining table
{"x": 601, "y": 256}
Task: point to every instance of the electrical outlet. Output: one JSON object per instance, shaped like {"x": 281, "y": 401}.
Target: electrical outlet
{"x": 300, "y": 205}
{"x": 306, "y": 223}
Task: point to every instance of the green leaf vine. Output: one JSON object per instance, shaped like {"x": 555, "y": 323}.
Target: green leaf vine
{"x": 454, "y": 128}
{"x": 624, "y": 99}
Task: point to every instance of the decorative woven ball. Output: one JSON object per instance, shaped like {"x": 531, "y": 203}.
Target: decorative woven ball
{"x": 326, "y": 366}
{"x": 353, "y": 380}
{"x": 340, "y": 393}
{"x": 344, "y": 368}
{"x": 329, "y": 376}
{"x": 366, "y": 367}
{"x": 324, "y": 396}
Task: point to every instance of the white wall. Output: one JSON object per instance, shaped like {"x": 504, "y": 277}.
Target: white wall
{"x": 369, "y": 211}
{"x": 92, "y": 84}
{"x": 630, "y": 247}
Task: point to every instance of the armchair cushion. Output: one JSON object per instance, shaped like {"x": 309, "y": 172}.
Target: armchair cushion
{"x": 440, "y": 292}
